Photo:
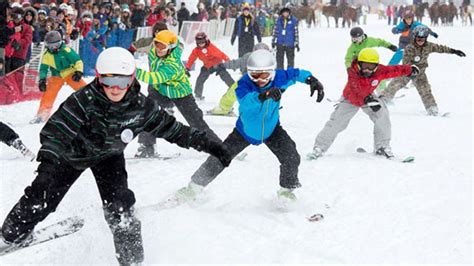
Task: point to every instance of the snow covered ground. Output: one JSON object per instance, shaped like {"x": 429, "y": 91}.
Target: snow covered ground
{"x": 376, "y": 211}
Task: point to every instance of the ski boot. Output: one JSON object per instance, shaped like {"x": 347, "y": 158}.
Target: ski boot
{"x": 385, "y": 151}
{"x": 315, "y": 154}
{"x": 18, "y": 144}
{"x": 145, "y": 151}
{"x": 432, "y": 110}
{"x": 188, "y": 193}
{"x": 286, "y": 194}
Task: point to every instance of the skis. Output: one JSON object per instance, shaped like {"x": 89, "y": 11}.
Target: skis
{"x": 157, "y": 157}
{"x": 210, "y": 113}
{"x": 407, "y": 159}
{"x": 62, "y": 228}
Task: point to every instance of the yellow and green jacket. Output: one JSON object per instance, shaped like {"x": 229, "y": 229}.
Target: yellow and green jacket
{"x": 167, "y": 75}
{"x": 63, "y": 63}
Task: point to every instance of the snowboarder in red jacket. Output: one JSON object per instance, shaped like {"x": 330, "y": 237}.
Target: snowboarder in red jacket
{"x": 210, "y": 55}
{"x": 364, "y": 75}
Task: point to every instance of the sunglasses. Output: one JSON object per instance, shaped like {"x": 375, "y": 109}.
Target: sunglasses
{"x": 116, "y": 81}
{"x": 368, "y": 66}
{"x": 357, "y": 39}
{"x": 260, "y": 76}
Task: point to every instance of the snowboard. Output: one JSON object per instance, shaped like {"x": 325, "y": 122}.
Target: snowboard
{"x": 407, "y": 159}
{"x": 54, "y": 231}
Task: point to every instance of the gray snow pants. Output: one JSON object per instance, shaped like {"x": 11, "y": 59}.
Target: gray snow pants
{"x": 422, "y": 86}
{"x": 341, "y": 117}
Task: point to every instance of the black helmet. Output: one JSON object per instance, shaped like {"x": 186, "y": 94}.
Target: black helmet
{"x": 357, "y": 32}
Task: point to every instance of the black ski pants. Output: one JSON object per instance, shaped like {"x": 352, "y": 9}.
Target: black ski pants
{"x": 188, "y": 107}
{"x": 204, "y": 75}
{"x": 7, "y": 135}
{"x": 51, "y": 185}
{"x": 290, "y": 56}
{"x": 280, "y": 143}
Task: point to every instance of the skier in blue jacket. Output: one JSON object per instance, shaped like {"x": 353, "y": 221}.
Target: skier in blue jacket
{"x": 259, "y": 92}
{"x": 405, "y": 29}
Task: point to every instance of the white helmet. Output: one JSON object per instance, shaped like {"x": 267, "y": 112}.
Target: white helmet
{"x": 115, "y": 60}
{"x": 261, "y": 60}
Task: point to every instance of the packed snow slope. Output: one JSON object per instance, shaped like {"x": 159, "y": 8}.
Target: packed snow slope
{"x": 376, "y": 211}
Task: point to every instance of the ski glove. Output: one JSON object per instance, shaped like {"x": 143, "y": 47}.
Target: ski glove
{"x": 434, "y": 34}
{"x": 315, "y": 85}
{"x": 458, "y": 52}
{"x": 273, "y": 93}
{"x": 415, "y": 71}
{"x": 297, "y": 47}
{"x": 42, "y": 85}
{"x": 393, "y": 48}
{"x": 77, "y": 76}
{"x": 220, "y": 152}
{"x": 372, "y": 103}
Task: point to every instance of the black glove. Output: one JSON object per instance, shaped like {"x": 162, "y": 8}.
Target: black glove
{"x": 186, "y": 71}
{"x": 42, "y": 85}
{"x": 274, "y": 45}
{"x": 434, "y": 34}
{"x": 372, "y": 103}
{"x": 16, "y": 46}
{"x": 393, "y": 48}
{"x": 458, "y": 52}
{"x": 220, "y": 152}
{"x": 297, "y": 47}
{"x": 74, "y": 34}
{"x": 315, "y": 85}
{"x": 77, "y": 76}
{"x": 415, "y": 71}
{"x": 273, "y": 93}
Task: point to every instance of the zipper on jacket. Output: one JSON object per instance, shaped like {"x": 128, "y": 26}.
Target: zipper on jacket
{"x": 263, "y": 122}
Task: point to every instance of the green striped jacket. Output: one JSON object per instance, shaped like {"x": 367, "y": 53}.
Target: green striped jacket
{"x": 167, "y": 74}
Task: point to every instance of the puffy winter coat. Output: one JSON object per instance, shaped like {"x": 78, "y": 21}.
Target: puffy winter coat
{"x": 355, "y": 48}
{"x": 167, "y": 74}
{"x": 257, "y": 120}
{"x": 286, "y": 32}
{"x": 88, "y": 127}
{"x": 406, "y": 32}
{"x": 359, "y": 87}
{"x": 210, "y": 56}
{"x": 415, "y": 55}
{"x": 24, "y": 39}
{"x": 63, "y": 63}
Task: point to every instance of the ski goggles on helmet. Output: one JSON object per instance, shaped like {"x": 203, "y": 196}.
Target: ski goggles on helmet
{"x": 161, "y": 46}
{"x": 260, "y": 75}
{"x": 358, "y": 39}
{"x": 54, "y": 46}
{"x": 116, "y": 81}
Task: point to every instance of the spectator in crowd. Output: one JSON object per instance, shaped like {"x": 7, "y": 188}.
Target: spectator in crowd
{"x": 30, "y": 19}
{"x": 84, "y": 24}
{"x": 125, "y": 18}
{"x": 96, "y": 34}
{"x": 183, "y": 15}
{"x": 202, "y": 15}
{"x": 246, "y": 29}
{"x": 389, "y": 14}
{"x": 138, "y": 15}
{"x": 17, "y": 48}
{"x": 155, "y": 16}
{"x": 285, "y": 38}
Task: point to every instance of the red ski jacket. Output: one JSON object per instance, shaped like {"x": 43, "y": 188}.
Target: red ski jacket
{"x": 210, "y": 56}
{"x": 358, "y": 87}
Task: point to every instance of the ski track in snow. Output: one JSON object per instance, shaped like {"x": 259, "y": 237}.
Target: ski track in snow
{"x": 375, "y": 211}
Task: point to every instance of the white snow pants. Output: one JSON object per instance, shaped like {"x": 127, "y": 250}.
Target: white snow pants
{"x": 341, "y": 117}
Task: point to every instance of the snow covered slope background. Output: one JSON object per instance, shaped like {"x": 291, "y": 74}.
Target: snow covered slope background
{"x": 376, "y": 211}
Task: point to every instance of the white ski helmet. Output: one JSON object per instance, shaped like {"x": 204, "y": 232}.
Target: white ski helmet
{"x": 117, "y": 61}
{"x": 260, "y": 61}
